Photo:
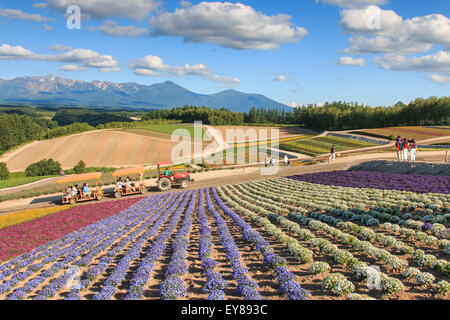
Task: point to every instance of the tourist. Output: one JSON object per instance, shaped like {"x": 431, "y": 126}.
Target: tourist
{"x": 405, "y": 149}
{"x": 272, "y": 162}
{"x": 266, "y": 162}
{"x": 68, "y": 193}
{"x": 333, "y": 153}
{"x": 119, "y": 184}
{"x": 413, "y": 150}
{"x": 86, "y": 190}
{"x": 400, "y": 149}
{"x": 397, "y": 147}
{"x": 286, "y": 160}
{"x": 75, "y": 190}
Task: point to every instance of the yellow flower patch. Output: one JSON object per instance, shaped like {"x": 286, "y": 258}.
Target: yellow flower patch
{"x": 18, "y": 217}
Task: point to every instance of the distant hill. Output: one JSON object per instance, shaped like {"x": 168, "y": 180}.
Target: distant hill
{"x": 60, "y": 91}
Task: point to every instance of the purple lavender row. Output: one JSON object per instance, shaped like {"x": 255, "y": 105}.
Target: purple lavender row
{"x": 111, "y": 284}
{"x": 94, "y": 272}
{"x": 288, "y": 287}
{"x": 140, "y": 219}
{"x": 69, "y": 253}
{"x": 145, "y": 268}
{"x": 215, "y": 284}
{"x": 173, "y": 287}
{"x": 142, "y": 274}
{"x": 379, "y": 180}
{"x": 49, "y": 249}
{"x": 246, "y": 286}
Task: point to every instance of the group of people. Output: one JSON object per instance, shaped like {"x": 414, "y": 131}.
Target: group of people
{"x": 271, "y": 161}
{"x": 74, "y": 191}
{"x": 126, "y": 185}
{"x": 403, "y": 146}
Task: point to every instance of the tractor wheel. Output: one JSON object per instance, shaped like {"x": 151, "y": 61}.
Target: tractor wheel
{"x": 184, "y": 184}
{"x": 72, "y": 201}
{"x": 118, "y": 195}
{"x": 164, "y": 184}
{"x": 99, "y": 197}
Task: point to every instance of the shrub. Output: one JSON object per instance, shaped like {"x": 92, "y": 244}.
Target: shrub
{"x": 319, "y": 267}
{"x": 440, "y": 265}
{"x": 391, "y": 285}
{"x": 4, "y": 172}
{"x": 330, "y": 281}
{"x": 342, "y": 256}
{"x": 80, "y": 167}
{"x": 43, "y": 168}
{"x": 442, "y": 287}
{"x": 425, "y": 279}
{"x": 426, "y": 260}
{"x": 343, "y": 287}
{"x": 411, "y": 273}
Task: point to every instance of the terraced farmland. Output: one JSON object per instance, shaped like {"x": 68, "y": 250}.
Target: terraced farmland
{"x": 322, "y": 145}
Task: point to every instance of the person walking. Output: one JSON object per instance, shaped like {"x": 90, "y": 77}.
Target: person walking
{"x": 405, "y": 149}
{"x": 333, "y": 153}
{"x": 400, "y": 149}
{"x": 286, "y": 160}
{"x": 413, "y": 150}
{"x": 397, "y": 147}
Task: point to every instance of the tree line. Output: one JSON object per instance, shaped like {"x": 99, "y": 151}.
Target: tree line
{"x": 347, "y": 116}
{"x": 189, "y": 114}
{"x": 330, "y": 116}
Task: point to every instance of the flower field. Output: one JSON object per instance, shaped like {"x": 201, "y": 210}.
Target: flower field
{"x": 275, "y": 239}
{"x": 18, "y": 217}
{"x": 322, "y": 145}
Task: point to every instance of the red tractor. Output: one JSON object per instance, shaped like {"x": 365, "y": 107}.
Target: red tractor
{"x": 167, "y": 180}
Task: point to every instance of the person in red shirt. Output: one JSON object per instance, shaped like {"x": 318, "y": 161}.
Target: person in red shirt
{"x": 405, "y": 149}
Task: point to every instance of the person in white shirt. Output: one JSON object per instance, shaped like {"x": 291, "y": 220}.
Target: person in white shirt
{"x": 413, "y": 150}
{"x": 286, "y": 160}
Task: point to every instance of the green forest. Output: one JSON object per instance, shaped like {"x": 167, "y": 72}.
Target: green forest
{"x": 24, "y": 124}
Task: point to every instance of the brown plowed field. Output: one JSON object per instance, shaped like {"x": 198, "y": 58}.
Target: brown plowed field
{"x": 111, "y": 148}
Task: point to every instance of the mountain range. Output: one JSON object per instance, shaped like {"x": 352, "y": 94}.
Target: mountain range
{"x": 53, "y": 90}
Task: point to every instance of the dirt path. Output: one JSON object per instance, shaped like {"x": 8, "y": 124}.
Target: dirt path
{"x": 241, "y": 175}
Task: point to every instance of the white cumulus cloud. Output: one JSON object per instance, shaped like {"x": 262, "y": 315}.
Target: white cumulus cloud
{"x": 16, "y": 14}
{"x": 83, "y": 58}
{"x": 112, "y": 28}
{"x": 350, "y": 61}
{"x": 154, "y": 66}
{"x": 439, "y": 78}
{"x": 353, "y": 3}
{"x": 133, "y": 9}
{"x": 230, "y": 25}
{"x": 438, "y": 62}
{"x": 394, "y": 34}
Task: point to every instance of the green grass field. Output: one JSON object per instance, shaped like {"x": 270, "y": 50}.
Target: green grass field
{"x": 170, "y": 128}
{"x": 18, "y": 179}
{"x": 322, "y": 145}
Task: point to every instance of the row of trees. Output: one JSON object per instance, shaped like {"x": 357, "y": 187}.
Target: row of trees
{"x": 17, "y": 129}
{"x": 189, "y": 114}
{"x": 343, "y": 115}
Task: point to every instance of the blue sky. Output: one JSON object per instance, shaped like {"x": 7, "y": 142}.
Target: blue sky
{"x": 375, "y": 52}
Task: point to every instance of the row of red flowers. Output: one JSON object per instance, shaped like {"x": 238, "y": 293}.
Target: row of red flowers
{"x": 22, "y": 238}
